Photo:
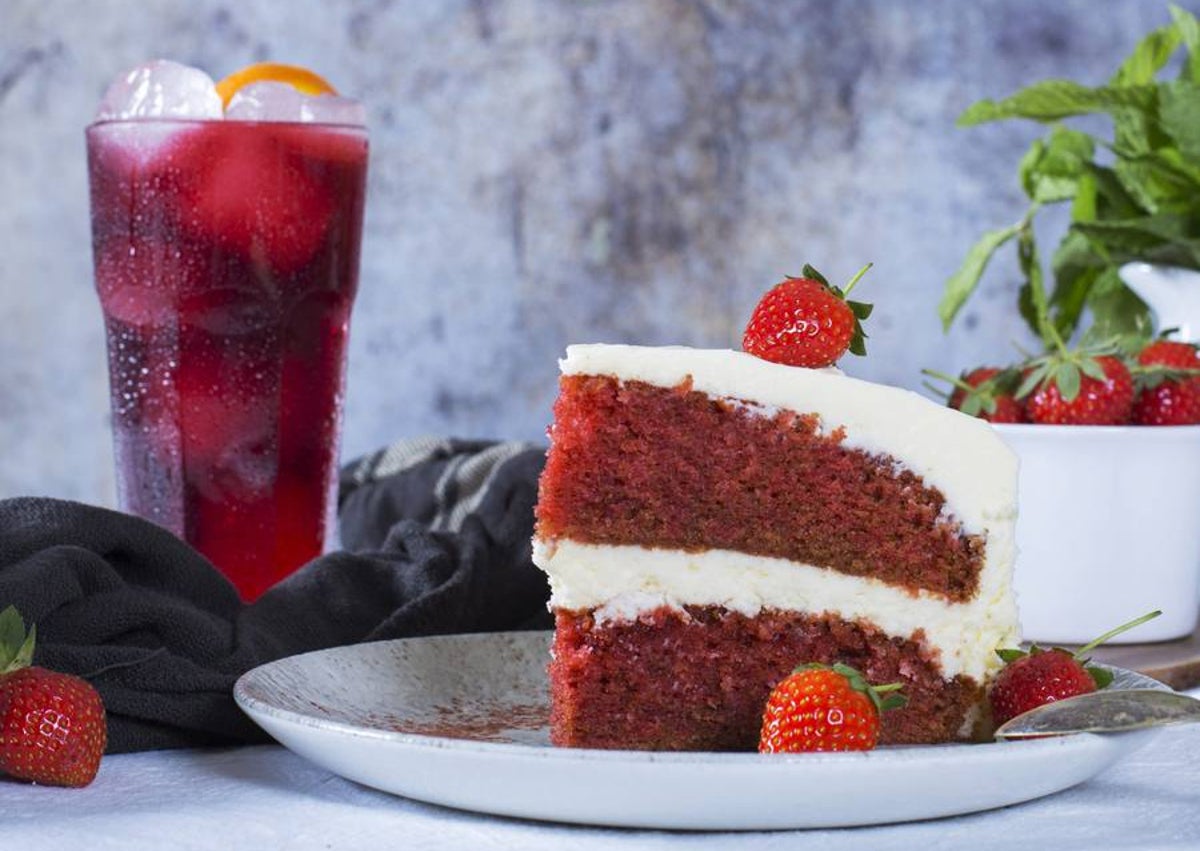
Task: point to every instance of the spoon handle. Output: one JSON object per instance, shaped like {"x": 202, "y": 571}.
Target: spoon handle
{"x": 1105, "y": 711}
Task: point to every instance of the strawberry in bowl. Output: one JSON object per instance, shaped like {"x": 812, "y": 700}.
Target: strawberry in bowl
{"x": 1109, "y": 443}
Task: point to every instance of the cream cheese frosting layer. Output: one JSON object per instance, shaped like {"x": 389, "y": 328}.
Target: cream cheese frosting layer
{"x": 959, "y": 455}
{"x": 620, "y": 582}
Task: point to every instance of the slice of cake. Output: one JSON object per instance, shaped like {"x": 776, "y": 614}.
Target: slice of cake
{"x": 709, "y": 520}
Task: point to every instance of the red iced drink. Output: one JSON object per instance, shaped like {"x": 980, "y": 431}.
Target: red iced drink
{"x": 226, "y": 256}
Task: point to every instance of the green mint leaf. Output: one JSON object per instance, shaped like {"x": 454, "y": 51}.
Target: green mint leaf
{"x": 1134, "y": 130}
{"x": 963, "y": 282}
{"x": 1026, "y": 308}
{"x": 1133, "y": 238}
{"x": 1053, "y": 100}
{"x": 1148, "y": 57}
{"x": 1075, "y": 266}
{"x": 1189, "y": 30}
{"x": 1173, "y": 176}
{"x": 1183, "y": 252}
{"x": 1142, "y": 182}
{"x": 1113, "y": 200}
{"x": 1036, "y": 309}
{"x": 1083, "y": 207}
{"x": 1162, "y": 238}
{"x": 1027, "y": 167}
{"x": 1116, "y": 311}
{"x": 1179, "y": 111}
{"x": 1071, "y": 290}
{"x": 1051, "y": 170}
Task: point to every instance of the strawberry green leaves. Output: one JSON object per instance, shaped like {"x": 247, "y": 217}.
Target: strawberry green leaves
{"x": 1150, "y": 56}
{"x": 1179, "y": 112}
{"x": 1134, "y": 196}
{"x": 16, "y": 647}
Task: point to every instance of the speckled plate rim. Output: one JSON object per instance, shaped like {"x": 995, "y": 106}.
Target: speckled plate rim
{"x": 319, "y": 738}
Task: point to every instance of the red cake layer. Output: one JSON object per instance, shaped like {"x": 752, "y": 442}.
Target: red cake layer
{"x": 699, "y": 680}
{"x": 633, "y": 463}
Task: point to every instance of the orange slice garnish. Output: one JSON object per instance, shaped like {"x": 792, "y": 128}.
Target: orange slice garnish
{"x": 301, "y": 79}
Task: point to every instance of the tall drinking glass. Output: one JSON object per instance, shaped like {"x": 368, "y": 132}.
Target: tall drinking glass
{"x": 226, "y": 261}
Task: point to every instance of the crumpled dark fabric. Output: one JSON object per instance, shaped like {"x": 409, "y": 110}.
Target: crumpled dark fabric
{"x": 435, "y": 539}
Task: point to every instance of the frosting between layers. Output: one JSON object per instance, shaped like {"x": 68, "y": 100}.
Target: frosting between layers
{"x": 619, "y": 582}
{"x": 959, "y": 455}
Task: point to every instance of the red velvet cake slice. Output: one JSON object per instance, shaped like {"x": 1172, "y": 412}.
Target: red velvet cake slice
{"x": 709, "y": 520}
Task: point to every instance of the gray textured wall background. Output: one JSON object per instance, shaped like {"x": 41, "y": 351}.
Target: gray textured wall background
{"x": 546, "y": 172}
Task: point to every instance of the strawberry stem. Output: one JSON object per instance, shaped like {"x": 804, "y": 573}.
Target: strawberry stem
{"x": 949, "y": 379}
{"x": 1055, "y": 338}
{"x": 857, "y": 277}
{"x": 1096, "y": 642}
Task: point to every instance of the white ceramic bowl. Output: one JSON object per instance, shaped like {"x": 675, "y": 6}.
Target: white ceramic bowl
{"x": 1109, "y": 529}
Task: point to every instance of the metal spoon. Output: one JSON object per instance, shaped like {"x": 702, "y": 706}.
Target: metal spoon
{"x": 1104, "y": 711}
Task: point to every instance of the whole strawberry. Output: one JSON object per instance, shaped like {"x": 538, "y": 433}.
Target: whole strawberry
{"x": 1037, "y": 677}
{"x": 823, "y": 708}
{"x": 52, "y": 726}
{"x": 1078, "y": 389}
{"x": 1167, "y": 383}
{"x": 806, "y": 322}
{"x": 986, "y": 392}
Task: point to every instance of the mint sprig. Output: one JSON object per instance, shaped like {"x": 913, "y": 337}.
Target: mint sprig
{"x": 1133, "y": 196}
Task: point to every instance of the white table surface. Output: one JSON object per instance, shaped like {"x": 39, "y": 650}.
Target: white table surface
{"x": 265, "y": 797}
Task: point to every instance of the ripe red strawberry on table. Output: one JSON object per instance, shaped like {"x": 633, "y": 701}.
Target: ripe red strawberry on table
{"x": 52, "y": 725}
{"x": 807, "y": 322}
{"x": 823, "y": 708}
{"x": 1167, "y": 382}
{"x": 1037, "y": 677}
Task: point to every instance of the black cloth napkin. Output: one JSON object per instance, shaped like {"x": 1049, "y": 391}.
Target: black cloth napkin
{"x": 435, "y": 539}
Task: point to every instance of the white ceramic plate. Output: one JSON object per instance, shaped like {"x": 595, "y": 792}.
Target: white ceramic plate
{"x": 461, "y": 721}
